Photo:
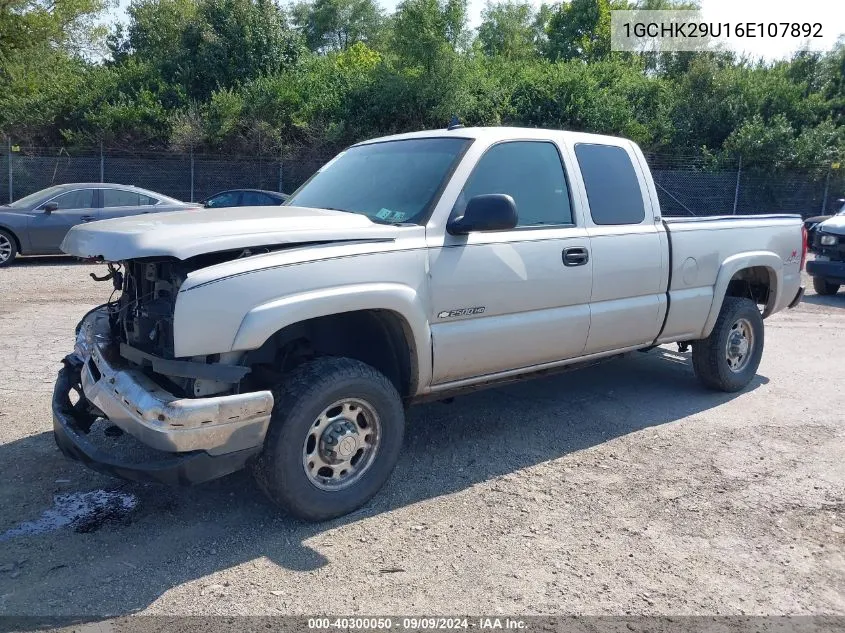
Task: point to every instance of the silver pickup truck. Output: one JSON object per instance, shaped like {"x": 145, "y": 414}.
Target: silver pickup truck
{"x": 291, "y": 339}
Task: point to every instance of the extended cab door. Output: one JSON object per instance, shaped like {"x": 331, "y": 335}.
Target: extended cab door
{"x": 47, "y": 230}
{"x": 629, "y": 247}
{"x": 505, "y": 300}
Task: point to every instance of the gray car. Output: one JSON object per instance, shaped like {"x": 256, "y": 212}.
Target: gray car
{"x": 36, "y": 224}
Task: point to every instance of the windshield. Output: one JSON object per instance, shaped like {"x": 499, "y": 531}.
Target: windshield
{"x": 393, "y": 182}
{"x": 32, "y": 198}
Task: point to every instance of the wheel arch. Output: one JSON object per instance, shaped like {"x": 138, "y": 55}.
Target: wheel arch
{"x": 14, "y": 235}
{"x": 747, "y": 275}
{"x": 382, "y": 325}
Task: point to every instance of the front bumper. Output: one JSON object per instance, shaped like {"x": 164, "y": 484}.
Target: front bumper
{"x": 71, "y": 426}
{"x": 192, "y": 439}
{"x": 828, "y": 269}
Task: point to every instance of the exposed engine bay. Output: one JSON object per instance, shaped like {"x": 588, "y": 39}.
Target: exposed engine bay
{"x": 141, "y": 320}
{"x": 145, "y": 307}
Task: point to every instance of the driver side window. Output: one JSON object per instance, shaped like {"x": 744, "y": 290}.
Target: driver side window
{"x": 79, "y": 199}
{"x": 531, "y": 173}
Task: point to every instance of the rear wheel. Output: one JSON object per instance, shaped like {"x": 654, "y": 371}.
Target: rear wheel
{"x": 824, "y": 287}
{"x": 8, "y": 248}
{"x": 728, "y": 359}
{"x": 334, "y": 438}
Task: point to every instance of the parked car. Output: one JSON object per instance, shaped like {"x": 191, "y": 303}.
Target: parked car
{"x": 36, "y": 224}
{"x": 245, "y": 198}
{"x": 811, "y": 223}
{"x": 410, "y": 268}
{"x": 828, "y": 267}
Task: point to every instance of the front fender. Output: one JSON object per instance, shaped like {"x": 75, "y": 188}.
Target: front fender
{"x": 732, "y": 265}
{"x": 264, "y": 320}
{"x": 16, "y": 224}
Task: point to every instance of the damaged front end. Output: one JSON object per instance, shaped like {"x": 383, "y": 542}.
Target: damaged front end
{"x": 124, "y": 405}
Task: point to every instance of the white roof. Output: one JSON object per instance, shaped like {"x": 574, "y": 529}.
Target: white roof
{"x": 494, "y": 134}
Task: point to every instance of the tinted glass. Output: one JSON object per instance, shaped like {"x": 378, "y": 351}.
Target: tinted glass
{"x": 228, "y": 199}
{"x": 612, "y": 186}
{"x": 120, "y": 198}
{"x": 392, "y": 182}
{"x": 528, "y": 171}
{"x": 146, "y": 201}
{"x": 256, "y": 199}
{"x": 79, "y": 199}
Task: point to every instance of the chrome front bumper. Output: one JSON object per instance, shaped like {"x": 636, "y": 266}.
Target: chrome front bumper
{"x": 154, "y": 416}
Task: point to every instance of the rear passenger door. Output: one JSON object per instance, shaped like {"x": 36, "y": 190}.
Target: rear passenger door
{"x": 505, "y": 300}
{"x": 118, "y": 203}
{"x": 629, "y": 252}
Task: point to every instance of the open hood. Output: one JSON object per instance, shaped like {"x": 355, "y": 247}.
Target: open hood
{"x": 835, "y": 225}
{"x": 184, "y": 234}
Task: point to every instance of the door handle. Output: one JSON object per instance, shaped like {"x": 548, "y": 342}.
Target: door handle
{"x": 89, "y": 218}
{"x": 575, "y": 256}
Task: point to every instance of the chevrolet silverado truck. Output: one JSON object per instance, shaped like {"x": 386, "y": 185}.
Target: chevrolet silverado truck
{"x": 290, "y": 340}
{"x": 828, "y": 267}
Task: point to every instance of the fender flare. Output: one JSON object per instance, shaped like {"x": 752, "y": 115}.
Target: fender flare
{"x": 264, "y": 320}
{"x": 732, "y": 265}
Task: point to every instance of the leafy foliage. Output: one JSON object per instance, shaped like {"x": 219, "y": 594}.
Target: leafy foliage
{"x": 253, "y": 76}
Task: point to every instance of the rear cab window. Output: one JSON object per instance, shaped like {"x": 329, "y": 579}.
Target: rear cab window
{"x": 613, "y": 189}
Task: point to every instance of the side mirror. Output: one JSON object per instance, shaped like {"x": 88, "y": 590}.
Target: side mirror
{"x": 50, "y": 207}
{"x": 488, "y": 212}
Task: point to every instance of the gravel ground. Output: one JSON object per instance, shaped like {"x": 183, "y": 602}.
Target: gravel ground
{"x": 621, "y": 489}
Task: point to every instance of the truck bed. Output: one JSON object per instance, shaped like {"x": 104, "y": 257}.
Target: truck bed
{"x": 701, "y": 251}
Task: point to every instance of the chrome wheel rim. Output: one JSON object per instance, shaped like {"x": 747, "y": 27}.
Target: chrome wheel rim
{"x": 5, "y": 248}
{"x": 341, "y": 444}
{"x": 740, "y": 345}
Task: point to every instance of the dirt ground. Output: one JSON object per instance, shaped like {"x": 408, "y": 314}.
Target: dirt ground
{"x": 621, "y": 489}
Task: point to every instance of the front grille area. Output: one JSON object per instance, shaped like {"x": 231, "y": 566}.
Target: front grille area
{"x": 835, "y": 252}
{"x": 146, "y": 305}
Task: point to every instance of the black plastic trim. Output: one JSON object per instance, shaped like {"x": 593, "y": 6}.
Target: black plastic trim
{"x": 184, "y": 368}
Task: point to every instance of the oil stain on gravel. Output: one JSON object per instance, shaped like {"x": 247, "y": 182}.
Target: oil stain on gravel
{"x": 80, "y": 511}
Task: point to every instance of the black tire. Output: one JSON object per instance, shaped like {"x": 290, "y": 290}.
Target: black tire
{"x": 8, "y": 248}
{"x": 308, "y": 391}
{"x": 710, "y": 355}
{"x": 824, "y": 287}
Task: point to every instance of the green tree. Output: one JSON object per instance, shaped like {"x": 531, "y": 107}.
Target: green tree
{"x": 67, "y": 25}
{"x": 425, "y": 31}
{"x": 332, "y": 25}
{"x": 580, "y": 29}
{"x": 211, "y": 44}
{"x": 508, "y": 29}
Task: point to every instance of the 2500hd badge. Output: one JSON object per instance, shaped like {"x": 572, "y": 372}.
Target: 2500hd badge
{"x": 448, "y": 314}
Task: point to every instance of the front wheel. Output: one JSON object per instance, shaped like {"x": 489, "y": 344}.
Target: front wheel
{"x": 823, "y": 287}
{"x": 8, "y": 248}
{"x": 728, "y": 359}
{"x": 334, "y": 438}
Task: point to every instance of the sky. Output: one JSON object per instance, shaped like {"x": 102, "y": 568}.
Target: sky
{"x": 830, "y": 13}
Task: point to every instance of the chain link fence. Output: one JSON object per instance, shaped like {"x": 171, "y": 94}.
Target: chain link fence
{"x": 184, "y": 176}
{"x": 687, "y": 185}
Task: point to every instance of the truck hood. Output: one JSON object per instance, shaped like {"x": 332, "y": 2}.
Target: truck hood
{"x": 184, "y": 234}
{"x": 835, "y": 225}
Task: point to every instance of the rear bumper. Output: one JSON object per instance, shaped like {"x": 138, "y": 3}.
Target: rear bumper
{"x": 71, "y": 425}
{"x": 832, "y": 270}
